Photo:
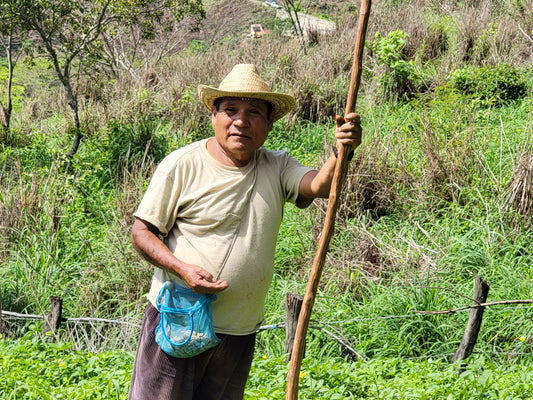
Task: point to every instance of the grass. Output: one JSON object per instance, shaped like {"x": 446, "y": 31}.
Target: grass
{"x": 71, "y": 236}
{"x": 425, "y": 209}
{"x": 33, "y": 368}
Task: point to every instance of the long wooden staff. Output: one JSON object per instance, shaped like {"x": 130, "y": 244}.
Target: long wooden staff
{"x": 329, "y": 222}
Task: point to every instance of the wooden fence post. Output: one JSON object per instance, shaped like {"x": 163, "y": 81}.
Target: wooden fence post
{"x": 473, "y": 325}
{"x": 293, "y": 305}
{"x": 53, "y": 319}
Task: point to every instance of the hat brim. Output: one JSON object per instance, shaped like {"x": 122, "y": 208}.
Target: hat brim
{"x": 282, "y": 103}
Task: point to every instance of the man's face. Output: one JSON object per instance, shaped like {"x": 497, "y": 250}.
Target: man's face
{"x": 241, "y": 127}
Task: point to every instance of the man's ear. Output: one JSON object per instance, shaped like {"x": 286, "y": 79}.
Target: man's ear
{"x": 213, "y": 115}
{"x": 271, "y": 120}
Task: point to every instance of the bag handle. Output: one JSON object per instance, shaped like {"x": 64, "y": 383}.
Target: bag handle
{"x": 165, "y": 309}
{"x": 166, "y": 287}
{"x": 163, "y": 331}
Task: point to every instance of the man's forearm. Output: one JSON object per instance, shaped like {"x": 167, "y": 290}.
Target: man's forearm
{"x": 145, "y": 239}
{"x": 318, "y": 183}
{"x": 152, "y": 249}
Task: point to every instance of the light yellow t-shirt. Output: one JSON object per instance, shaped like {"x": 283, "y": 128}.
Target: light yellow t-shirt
{"x": 226, "y": 220}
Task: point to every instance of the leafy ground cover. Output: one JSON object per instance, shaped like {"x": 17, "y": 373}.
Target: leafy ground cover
{"x": 33, "y": 368}
{"x": 394, "y": 379}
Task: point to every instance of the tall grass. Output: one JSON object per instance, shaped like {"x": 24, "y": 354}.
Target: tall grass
{"x": 425, "y": 205}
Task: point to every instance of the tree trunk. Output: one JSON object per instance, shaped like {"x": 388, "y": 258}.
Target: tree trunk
{"x": 291, "y": 7}
{"x": 5, "y": 115}
{"x": 73, "y": 103}
{"x": 72, "y": 100}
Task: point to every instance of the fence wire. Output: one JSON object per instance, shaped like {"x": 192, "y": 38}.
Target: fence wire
{"x": 88, "y": 334}
{"x": 99, "y": 334}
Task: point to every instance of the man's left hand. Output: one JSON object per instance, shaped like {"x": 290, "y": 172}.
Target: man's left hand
{"x": 348, "y": 131}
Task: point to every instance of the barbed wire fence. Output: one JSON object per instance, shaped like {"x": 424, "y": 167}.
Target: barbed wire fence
{"x": 100, "y": 334}
{"x": 88, "y": 334}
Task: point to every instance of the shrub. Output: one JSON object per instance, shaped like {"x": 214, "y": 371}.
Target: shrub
{"x": 491, "y": 85}
{"x": 133, "y": 143}
{"x": 398, "y": 77}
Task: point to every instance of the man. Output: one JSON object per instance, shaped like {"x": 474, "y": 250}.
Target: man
{"x": 209, "y": 220}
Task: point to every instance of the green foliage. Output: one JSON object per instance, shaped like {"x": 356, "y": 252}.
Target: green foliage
{"x": 400, "y": 75}
{"x": 305, "y": 141}
{"x": 148, "y": 14}
{"x": 292, "y": 241}
{"x": 391, "y": 379}
{"x": 17, "y": 88}
{"x": 31, "y": 368}
{"x": 131, "y": 144}
{"x": 196, "y": 46}
{"x": 423, "y": 209}
{"x": 70, "y": 35}
{"x": 492, "y": 86}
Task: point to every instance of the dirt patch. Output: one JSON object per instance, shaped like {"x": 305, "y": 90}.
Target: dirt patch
{"x": 227, "y": 18}
{"x": 231, "y": 17}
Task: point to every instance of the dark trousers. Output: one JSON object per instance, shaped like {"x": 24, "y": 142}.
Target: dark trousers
{"x": 219, "y": 373}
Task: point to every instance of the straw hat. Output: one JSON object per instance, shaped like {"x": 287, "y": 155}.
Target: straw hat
{"x": 244, "y": 81}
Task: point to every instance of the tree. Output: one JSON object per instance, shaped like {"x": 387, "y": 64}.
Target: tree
{"x": 139, "y": 41}
{"x": 9, "y": 30}
{"x": 292, "y": 7}
{"x": 70, "y": 34}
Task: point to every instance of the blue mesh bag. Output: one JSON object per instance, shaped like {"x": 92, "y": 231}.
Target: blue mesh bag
{"x": 186, "y": 325}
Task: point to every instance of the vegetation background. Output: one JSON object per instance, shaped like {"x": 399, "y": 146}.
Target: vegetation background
{"x": 438, "y": 193}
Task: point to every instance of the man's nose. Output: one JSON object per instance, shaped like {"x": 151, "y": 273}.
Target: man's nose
{"x": 241, "y": 118}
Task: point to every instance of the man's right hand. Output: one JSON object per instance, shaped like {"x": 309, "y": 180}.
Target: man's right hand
{"x": 145, "y": 239}
{"x": 201, "y": 281}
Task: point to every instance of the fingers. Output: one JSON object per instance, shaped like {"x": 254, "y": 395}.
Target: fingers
{"x": 348, "y": 130}
{"x": 210, "y": 287}
{"x": 204, "y": 286}
{"x": 351, "y": 117}
{"x": 201, "y": 281}
{"x": 339, "y": 121}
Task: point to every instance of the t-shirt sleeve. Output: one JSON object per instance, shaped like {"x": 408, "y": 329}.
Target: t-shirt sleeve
{"x": 291, "y": 176}
{"x": 159, "y": 204}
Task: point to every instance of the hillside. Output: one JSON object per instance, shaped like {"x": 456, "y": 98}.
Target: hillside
{"x": 233, "y": 19}
{"x": 227, "y": 18}
{"x": 438, "y": 193}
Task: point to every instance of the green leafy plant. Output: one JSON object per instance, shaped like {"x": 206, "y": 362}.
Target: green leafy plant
{"x": 492, "y": 86}
{"x": 32, "y": 368}
{"x": 135, "y": 143}
{"x": 398, "y": 79}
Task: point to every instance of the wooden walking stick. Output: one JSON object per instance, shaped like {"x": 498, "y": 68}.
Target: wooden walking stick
{"x": 329, "y": 222}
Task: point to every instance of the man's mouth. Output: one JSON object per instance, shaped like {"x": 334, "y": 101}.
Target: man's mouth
{"x": 239, "y": 135}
